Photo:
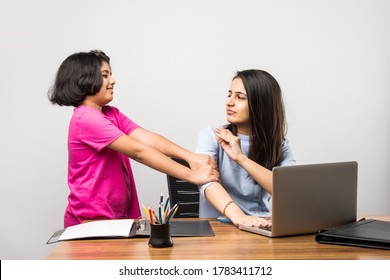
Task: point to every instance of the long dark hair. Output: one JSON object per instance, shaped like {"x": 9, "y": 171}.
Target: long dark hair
{"x": 79, "y": 75}
{"x": 266, "y": 117}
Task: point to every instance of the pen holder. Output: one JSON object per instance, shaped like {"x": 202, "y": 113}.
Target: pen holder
{"x": 160, "y": 236}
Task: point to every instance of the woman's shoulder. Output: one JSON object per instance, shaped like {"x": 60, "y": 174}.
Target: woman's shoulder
{"x": 288, "y": 156}
{"x": 207, "y": 132}
{"x": 209, "y": 129}
{"x": 206, "y": 141}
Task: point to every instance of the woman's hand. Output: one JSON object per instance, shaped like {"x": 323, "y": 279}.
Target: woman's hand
{"x": 252, "y": 221}
{"x": 230, "y": 143}
{"x": 235, "y": 214}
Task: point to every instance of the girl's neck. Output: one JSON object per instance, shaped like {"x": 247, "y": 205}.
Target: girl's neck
{"x": 91, "y": 104}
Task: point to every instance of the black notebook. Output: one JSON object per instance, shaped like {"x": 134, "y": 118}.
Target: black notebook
{"x": 369, "y": 233}
{"x": 183, "y": 229}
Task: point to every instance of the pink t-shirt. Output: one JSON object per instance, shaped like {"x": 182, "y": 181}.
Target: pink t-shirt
{"x": 101, "y": 181}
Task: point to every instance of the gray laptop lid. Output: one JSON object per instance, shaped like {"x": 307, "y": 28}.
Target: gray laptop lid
{"x": 307, "y": 198}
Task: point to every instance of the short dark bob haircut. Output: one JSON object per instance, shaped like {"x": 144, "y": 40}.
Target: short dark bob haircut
{"x": 79, "y": 75}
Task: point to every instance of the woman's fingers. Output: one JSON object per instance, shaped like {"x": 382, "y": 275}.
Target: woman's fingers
{"x": 257, "y": 222}
{"x": 226, "y": 136}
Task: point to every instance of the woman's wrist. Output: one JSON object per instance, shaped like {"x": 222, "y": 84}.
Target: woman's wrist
{"x": 241, "y": 159}
{"x": 226, "y": 206}
{"x": 233, "y": 212}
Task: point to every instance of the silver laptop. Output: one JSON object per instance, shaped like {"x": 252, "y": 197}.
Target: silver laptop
{"x": 307, "y": 198}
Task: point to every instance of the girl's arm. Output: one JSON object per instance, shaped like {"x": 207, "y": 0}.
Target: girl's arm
{"x": 157, "y": 160}
{"x": 171, "y": 149}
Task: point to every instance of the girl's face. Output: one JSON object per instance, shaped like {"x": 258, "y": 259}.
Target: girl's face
{"x": 237, "y": 108}
{"x": 105, "y": 94}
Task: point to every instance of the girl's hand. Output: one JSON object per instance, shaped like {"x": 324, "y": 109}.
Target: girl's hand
{"x": 204, "y": 174}
{"x": 199, "y": 160}
{"x": 230, "y": 143}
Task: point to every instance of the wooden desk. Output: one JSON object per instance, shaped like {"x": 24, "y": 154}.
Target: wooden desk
{"x": 228, "y": 243}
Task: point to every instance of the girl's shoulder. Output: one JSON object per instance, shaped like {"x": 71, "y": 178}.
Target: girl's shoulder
{"x": 83, "y": 111}
{"x": 88, "y": 113}
{"x": 108, "y": 109}
{"x": 111, "y": 111}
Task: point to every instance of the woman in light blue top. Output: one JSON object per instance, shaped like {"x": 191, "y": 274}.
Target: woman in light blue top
{"x": 246, "y": 150}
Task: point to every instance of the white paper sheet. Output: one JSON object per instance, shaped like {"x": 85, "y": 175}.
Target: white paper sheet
{"x": 104, "y": 228}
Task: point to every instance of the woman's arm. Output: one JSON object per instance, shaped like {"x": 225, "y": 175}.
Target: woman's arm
{"x": 171, "y": 149}
{"x": 231, "y": 144}
{"x": 157, "y": 160}
{"x": 260, "y": 174}
{"x": 221, "y": 200}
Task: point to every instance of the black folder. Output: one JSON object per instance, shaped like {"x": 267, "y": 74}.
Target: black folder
{"x": 368, "y": 233}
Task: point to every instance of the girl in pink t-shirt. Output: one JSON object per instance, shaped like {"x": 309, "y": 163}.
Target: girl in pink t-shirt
{"x": 101, "y": 139}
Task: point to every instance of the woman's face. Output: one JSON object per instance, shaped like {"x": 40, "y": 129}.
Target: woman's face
{"x": 237, "y": 109}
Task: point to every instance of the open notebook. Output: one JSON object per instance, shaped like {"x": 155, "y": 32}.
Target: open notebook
{"x": 125, "y": 228}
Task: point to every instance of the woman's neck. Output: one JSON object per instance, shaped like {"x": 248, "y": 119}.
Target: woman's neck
{"x": 243, "y": 130}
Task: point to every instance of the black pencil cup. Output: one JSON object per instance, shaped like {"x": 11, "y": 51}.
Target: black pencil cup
{"x": 160, "y": 236}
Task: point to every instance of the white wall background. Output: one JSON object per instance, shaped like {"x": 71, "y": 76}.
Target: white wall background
{"x": 173, "y": 62}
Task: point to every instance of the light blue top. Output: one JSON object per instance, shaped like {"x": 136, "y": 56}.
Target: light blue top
{"x": 245, "y": 192}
